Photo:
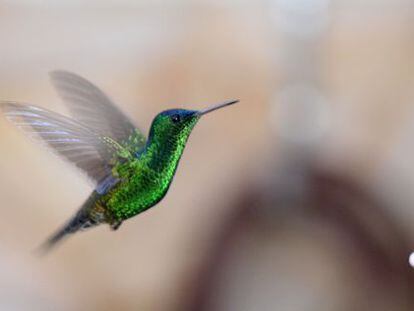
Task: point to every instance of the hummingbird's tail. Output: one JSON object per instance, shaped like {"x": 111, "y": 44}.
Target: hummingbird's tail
{"x": 80, "y": 221}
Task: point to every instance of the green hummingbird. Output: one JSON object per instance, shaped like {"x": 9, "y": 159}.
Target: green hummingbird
{"x": 131, "y": 173}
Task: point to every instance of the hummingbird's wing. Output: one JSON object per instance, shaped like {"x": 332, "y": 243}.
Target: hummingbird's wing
{"x": 89, "y": 105}
{"x": 92, "y": 152}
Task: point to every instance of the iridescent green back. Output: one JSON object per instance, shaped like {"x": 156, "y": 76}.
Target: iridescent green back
{"x": 146, "y": 179}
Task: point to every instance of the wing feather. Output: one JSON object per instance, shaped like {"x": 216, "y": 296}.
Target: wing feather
{"x": 89, "y": 105}
{"x": 70, "y": 139}
{"x": 99, "y": 134}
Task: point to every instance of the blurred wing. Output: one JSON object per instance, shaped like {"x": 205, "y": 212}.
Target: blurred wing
{"x": 89, "y": 151}
{"x": 90, "y": 106}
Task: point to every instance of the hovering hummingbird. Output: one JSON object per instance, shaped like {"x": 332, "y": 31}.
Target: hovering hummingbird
{"x": 130, "y": 173}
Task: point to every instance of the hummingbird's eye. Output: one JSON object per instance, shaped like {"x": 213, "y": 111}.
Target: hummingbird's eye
{"x": 175, "y": 118}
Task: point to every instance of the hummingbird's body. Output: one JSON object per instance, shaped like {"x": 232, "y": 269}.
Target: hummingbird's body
{"x": 146, "y": 177}
{"x": 131, "y": 173}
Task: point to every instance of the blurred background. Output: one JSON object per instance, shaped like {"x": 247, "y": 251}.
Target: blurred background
{"x": 298, "y": 198}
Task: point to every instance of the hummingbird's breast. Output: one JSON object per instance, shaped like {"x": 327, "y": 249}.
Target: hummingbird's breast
{"x": 147, "y": 178}
{"x": 145, "y": 184}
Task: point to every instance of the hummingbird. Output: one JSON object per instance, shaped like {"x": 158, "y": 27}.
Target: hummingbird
{"x": 130, "y": 173}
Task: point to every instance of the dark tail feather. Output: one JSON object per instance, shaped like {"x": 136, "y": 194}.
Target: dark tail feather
{"x": 52, "y": 242}
{"x": 80, "y": 221}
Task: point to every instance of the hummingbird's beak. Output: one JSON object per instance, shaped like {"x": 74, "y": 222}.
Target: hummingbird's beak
{"x": 215, "y": 107}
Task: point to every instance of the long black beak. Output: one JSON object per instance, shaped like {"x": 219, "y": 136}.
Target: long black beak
{"x": 215, "y": 107}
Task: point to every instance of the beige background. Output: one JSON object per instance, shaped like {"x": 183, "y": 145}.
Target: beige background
{"x": 150, "y": 56}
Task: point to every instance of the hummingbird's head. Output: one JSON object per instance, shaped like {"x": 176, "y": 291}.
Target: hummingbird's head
{"x": 178, "y": 123}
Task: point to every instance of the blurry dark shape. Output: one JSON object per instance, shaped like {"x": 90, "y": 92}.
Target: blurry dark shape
{"x": 305, "y": 237}
{"x": 348, "y": 228}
